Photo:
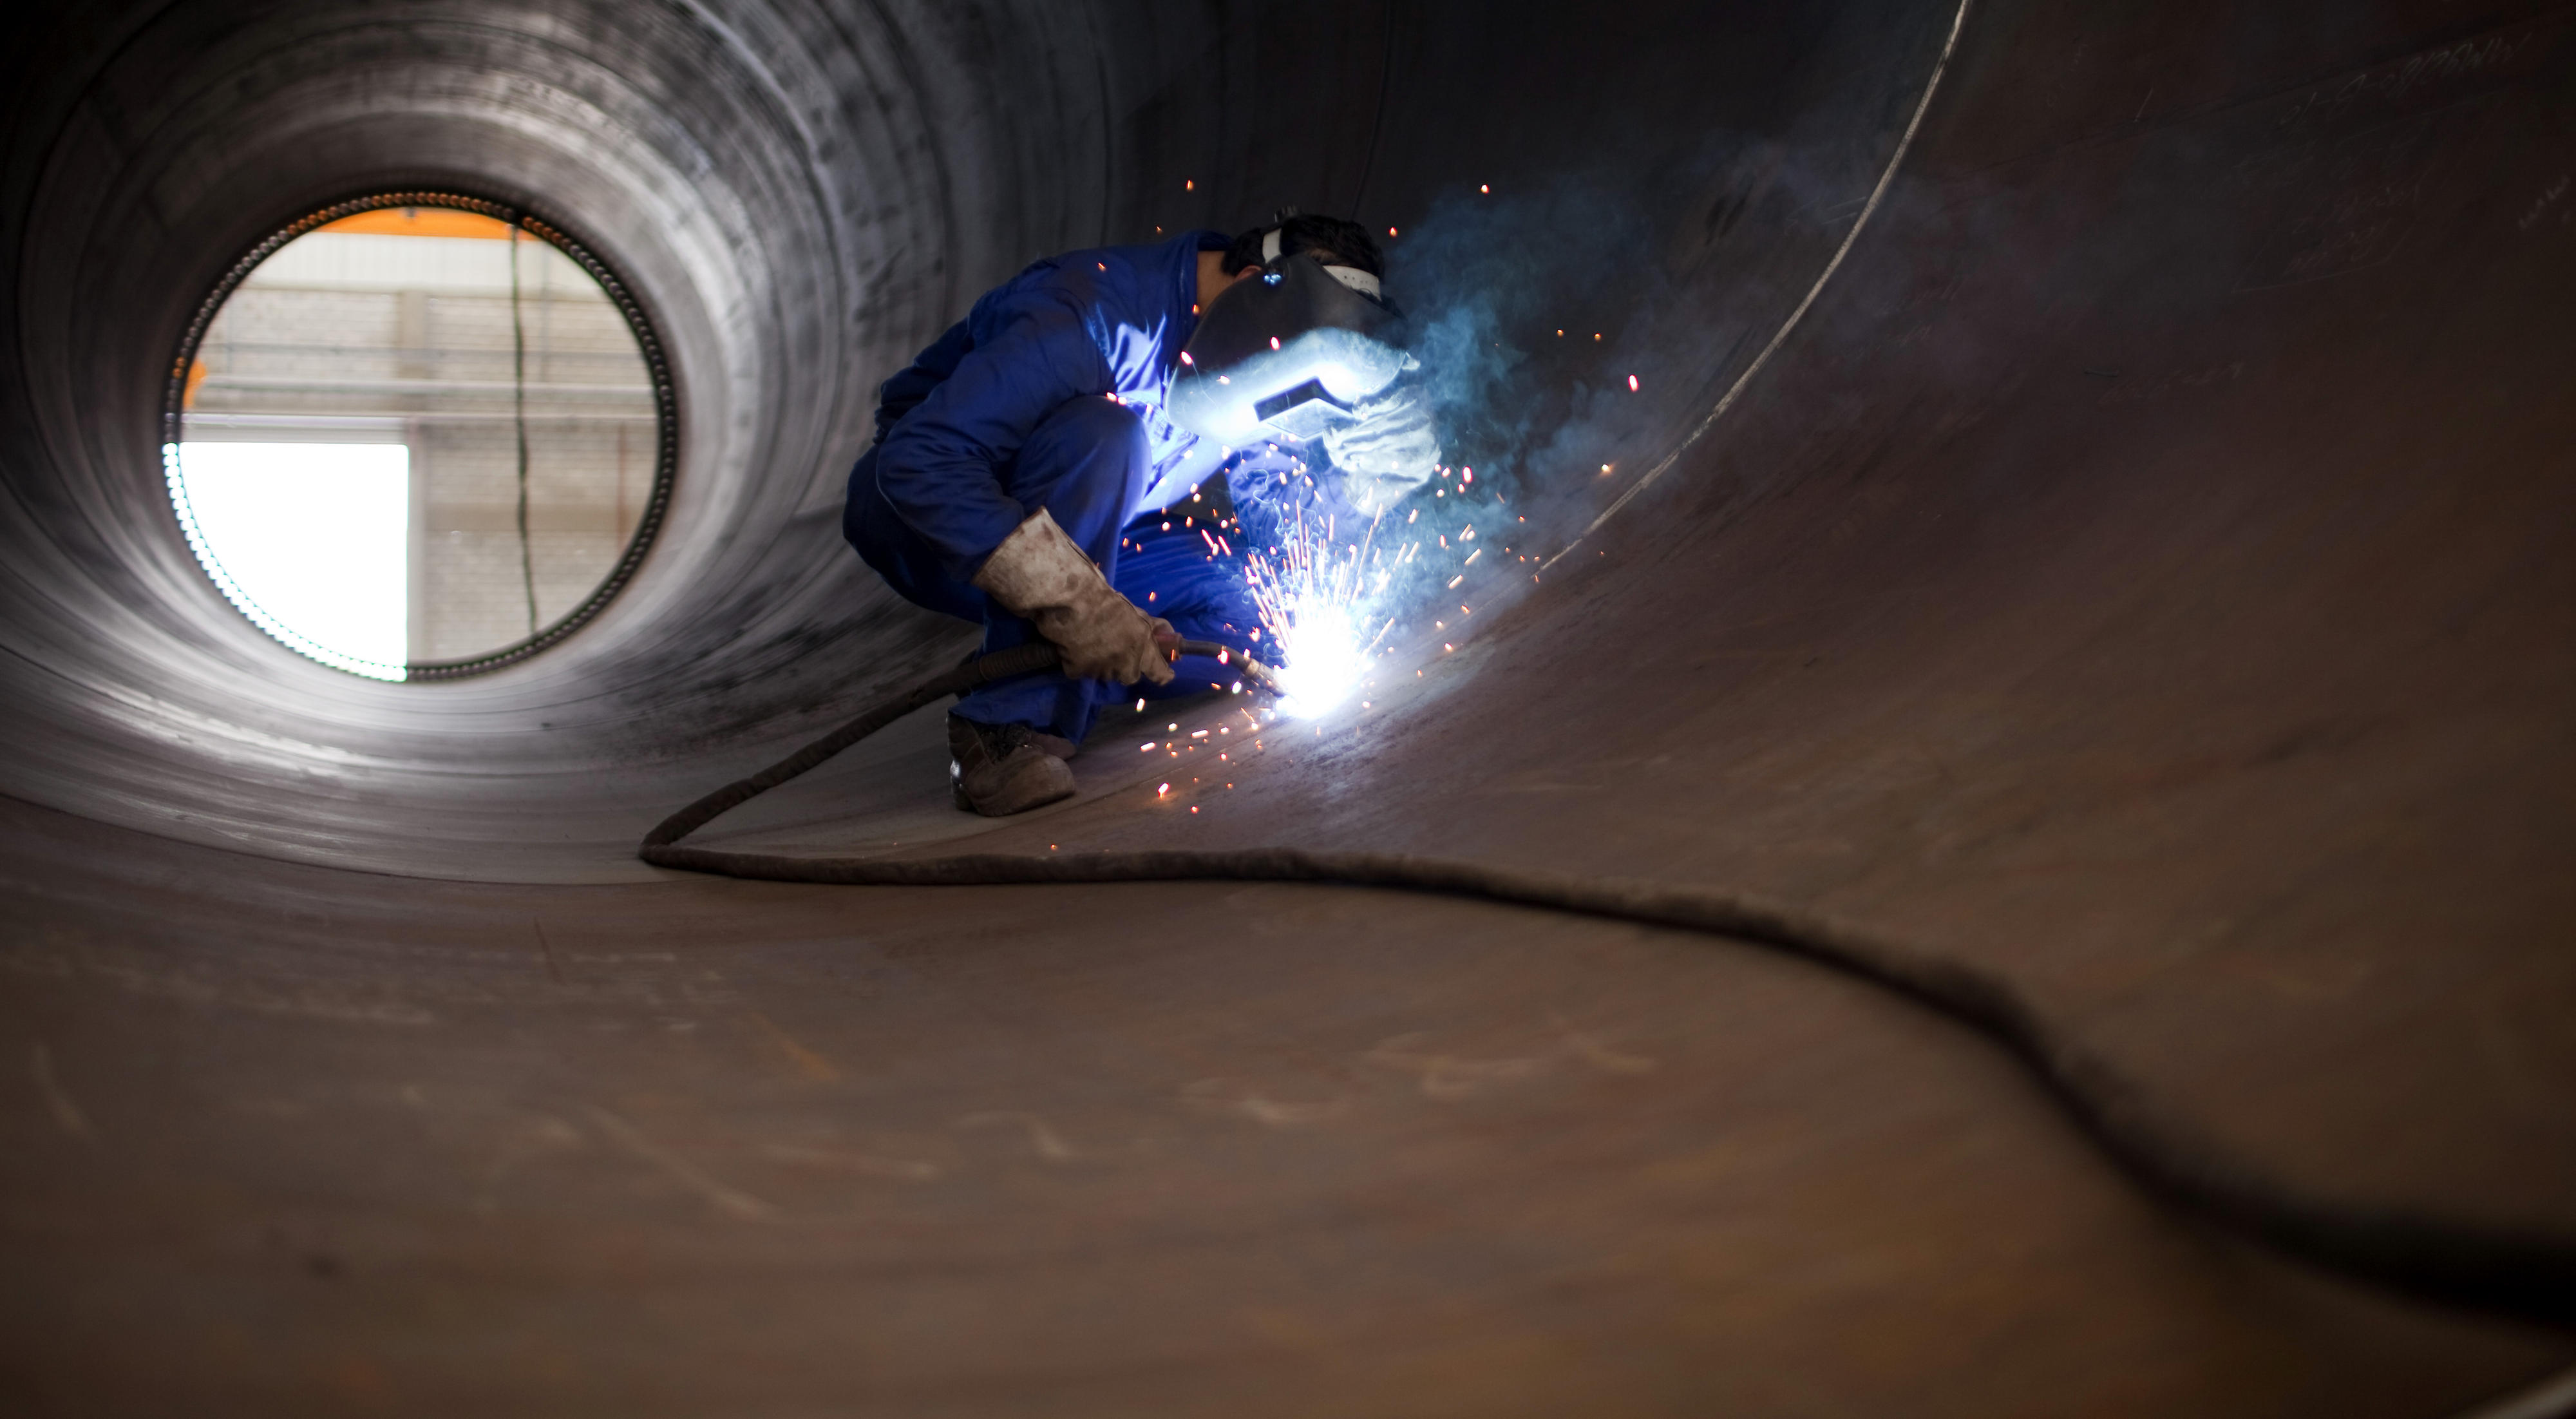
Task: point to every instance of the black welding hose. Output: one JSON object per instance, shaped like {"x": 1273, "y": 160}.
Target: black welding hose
{"x": 2525, "y": 1274}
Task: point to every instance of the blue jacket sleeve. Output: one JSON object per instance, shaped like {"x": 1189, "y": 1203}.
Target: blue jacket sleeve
{"x": 941, "y": 467}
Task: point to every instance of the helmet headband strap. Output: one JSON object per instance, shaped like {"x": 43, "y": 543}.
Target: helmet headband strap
{"x": 1351, "y": 276}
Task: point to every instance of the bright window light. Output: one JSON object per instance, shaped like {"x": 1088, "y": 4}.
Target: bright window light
{"x": 308, "y": 539}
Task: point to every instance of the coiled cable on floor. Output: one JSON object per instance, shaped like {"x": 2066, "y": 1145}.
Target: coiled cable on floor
{"x": 2517, "y": 1273}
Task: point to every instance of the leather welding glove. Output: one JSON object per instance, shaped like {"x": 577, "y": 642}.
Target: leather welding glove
{"x": 1039, "y": 573}
{"x": 1391, "y": 450}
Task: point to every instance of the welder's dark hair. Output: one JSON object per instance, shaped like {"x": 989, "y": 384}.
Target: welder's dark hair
{"x": 1330, "y": 240}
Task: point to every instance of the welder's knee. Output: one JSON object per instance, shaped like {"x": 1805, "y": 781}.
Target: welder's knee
{"x": 1088, "y": 451}
{"x": 1093, "y": 421}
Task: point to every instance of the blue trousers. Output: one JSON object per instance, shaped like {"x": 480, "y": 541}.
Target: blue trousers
{"x": 1085, "y": 464}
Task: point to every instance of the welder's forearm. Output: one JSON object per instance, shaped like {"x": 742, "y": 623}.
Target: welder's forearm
{"x": 1039, "y": 573}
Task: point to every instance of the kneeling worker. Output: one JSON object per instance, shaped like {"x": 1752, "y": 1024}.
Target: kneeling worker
{"x": 1027, "y": 466}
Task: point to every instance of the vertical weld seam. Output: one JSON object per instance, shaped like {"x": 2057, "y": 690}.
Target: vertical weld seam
{"x": 1877, "y": 195}
{"x": 519, "y": 417}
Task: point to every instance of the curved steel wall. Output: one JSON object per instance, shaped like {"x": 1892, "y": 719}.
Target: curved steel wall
{"x": 2144, "y": 568}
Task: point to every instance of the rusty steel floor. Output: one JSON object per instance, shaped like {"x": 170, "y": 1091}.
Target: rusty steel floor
{"x": 2099, "y": 504}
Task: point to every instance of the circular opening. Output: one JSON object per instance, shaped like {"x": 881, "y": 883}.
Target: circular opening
{"x": 417, "y": 436}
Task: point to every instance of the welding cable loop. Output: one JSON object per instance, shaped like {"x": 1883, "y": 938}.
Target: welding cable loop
{"x": 2474, "y": 1265}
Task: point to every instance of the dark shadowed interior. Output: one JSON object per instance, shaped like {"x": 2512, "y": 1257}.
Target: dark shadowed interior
{"x": 2096, "y": 504}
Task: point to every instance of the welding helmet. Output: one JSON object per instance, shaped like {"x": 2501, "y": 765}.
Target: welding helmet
{"x": 1288, "y": 353}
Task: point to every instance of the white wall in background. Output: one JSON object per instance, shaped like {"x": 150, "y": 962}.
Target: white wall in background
{"x": 314, "y": 536}
{"x": 373, "y": 261}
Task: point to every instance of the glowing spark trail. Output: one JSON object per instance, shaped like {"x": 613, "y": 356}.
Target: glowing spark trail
{"x": 1313, "y": 597}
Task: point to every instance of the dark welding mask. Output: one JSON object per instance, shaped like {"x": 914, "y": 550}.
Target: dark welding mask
{"x": 1288, "y": 353}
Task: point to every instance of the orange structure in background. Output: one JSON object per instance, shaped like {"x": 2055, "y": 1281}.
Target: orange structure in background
{"x": 422, "y": 221}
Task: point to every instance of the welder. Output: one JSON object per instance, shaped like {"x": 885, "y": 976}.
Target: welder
{"x": 1044, "y": 468}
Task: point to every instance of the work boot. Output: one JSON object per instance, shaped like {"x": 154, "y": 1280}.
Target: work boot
{"x": 1001, "y": 769}
{"x": 1055, "y": 744}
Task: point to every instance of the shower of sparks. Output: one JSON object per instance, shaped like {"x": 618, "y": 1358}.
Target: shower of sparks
{"x": 1317, "y": 599}
{"x": 1330, "y": 604}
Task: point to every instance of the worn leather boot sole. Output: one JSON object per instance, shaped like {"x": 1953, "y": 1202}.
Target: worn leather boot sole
{"x": 1001, "y": 769}
{"x": 1029, "y": 778}
{"x": 1056, "y": 745}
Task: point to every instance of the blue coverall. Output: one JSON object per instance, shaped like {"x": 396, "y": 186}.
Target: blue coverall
{"x": 1050, "y": 394}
